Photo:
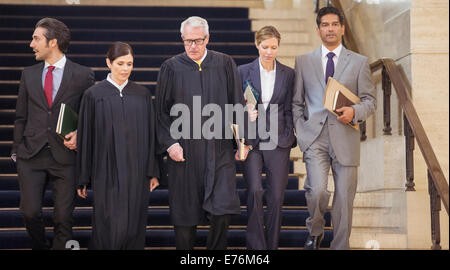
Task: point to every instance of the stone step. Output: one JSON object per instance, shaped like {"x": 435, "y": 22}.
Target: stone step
{"x": 372, "y": 217}
{"x": 297, "y": 38}
{"x": 267, "y": 14}
{"x": 373, "y": 199}
{"x": 368, "y": 238}
{"x": 292, "y": 50}
{"x": 281, "y": 24}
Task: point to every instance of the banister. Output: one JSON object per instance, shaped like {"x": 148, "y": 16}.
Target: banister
{"x": 376, "y": 65}
{"x": 401, "y": 87}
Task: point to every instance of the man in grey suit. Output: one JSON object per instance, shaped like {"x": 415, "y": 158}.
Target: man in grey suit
{"x": 326, "y": 140}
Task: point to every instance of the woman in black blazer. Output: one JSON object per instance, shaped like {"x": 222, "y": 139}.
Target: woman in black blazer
{"x": 273, "y": 84}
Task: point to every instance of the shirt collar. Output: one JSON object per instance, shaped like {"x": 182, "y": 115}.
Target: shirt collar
{"x": 60, "y": 64}
{"x": 261, "y": 68}
{"x": 204, "y": 56}
{"x": 336, "y": 51}
{"x": 120, "y": 87}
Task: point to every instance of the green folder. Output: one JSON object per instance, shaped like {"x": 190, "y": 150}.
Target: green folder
{"x": 67, "y": 121}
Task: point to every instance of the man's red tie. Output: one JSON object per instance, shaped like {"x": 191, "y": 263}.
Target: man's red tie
{"x": 48, "y": 85}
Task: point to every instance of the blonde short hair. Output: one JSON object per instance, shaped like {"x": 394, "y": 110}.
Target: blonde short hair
{"x": 265, "y": 33}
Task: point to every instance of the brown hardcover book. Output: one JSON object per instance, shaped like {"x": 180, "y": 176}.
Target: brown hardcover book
{"x": 341, "y": 101}
{"x": 337, "y": 96}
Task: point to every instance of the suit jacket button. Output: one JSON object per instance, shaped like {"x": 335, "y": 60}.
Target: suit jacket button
{"x": 321, "y": 123}
{"x": 49, "y": 128}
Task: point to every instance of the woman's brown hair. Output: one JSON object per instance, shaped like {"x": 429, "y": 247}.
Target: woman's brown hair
{"x": 118, "y": 49}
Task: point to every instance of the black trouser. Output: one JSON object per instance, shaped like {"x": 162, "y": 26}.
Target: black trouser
{"x": 217, "y": 237}
{"x": 34, "y": 174}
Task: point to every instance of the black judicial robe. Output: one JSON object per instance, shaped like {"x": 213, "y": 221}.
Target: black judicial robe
{"x": 116, "y": 155}
{"x": 205, "y": 183}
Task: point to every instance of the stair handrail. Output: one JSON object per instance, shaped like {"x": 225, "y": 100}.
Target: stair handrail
{"x": 438, "y": 187}
{"x": 403, "y": 88}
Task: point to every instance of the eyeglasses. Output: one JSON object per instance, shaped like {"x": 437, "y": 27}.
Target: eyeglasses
{"x": 199, "y": 41}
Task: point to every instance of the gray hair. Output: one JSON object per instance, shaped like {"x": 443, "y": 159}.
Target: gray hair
{"x": 195, "y": 21}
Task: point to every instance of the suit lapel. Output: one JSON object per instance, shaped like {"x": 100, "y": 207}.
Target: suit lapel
{"x": 317, "y": 65}
{"x": 279, "y": 79}
{"x": 255, "y": 77}
{"x": 65, "y": 82}
{"x": 37, "y": 78}
{"x": 342, "y": 63}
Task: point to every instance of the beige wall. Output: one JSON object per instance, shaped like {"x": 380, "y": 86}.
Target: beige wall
{"x": 415, "y": 34}
{"x": 430, "y": 69}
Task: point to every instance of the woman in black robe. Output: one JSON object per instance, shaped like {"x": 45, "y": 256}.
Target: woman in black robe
{"x": 116, "y": 154}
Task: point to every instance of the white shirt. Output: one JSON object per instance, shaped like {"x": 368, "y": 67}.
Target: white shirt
{"x": 57, "y": 74}
{"x": 204, "y": 56}
{"x": 120, "y": 87}
{"x": 267, "y": 83}
{"x": 325, "y": 51}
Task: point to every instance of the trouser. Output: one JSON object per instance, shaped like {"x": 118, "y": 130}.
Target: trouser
{"x": 33, "y": 175}
{"x": 319, "y": 157}
{"x": 263, "y": 232}
{"x": 185, "y": 236}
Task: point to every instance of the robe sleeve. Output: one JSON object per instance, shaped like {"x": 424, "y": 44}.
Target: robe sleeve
{"x": 153, "y": 166}
{"x": 85, "y": 138}
{"x": 164, "y": 102}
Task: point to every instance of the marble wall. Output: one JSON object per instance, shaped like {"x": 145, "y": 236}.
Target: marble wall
{"x": 415, "y": 33}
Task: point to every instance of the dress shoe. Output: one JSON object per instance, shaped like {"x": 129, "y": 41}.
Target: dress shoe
{"x": 313, "y": 242}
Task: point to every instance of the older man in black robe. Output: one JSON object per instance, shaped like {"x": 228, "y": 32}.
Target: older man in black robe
{"x": 201, "y": 171}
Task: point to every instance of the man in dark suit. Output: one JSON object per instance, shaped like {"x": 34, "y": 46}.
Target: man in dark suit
{"x": 42, "y": 156}
{"x": 274, "y": 83}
